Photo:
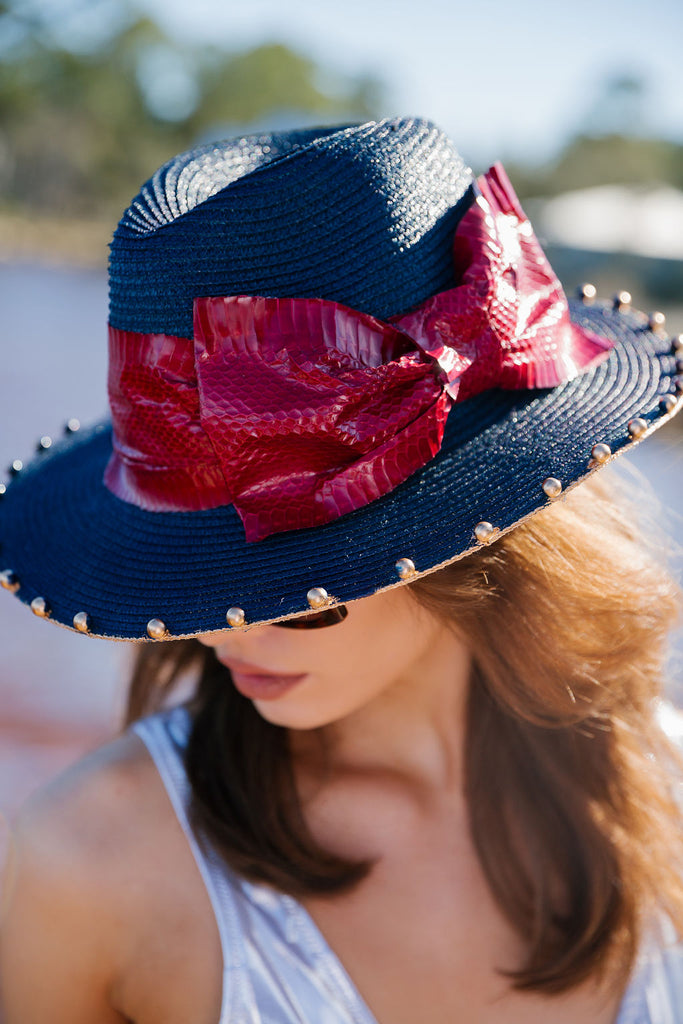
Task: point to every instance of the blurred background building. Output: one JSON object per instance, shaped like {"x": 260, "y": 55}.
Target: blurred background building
{"x": 582, "y": 102}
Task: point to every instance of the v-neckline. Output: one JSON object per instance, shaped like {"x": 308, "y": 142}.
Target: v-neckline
{"x": 327, "y": 962}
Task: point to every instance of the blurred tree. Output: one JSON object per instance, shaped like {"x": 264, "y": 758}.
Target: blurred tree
{"x": 603, "y": 160}
{"x": 90, "y": 105}
{"x": 618, "y": 108}
{"x": 249, "y": 86}
{"x": 611, "y": 146}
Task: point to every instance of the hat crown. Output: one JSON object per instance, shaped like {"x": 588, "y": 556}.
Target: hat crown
{"x": 363, "y": 214}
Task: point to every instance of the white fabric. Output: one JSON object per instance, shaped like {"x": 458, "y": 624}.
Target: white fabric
{"x": 277, "y": 966}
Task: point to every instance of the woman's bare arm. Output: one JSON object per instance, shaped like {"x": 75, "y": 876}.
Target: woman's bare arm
{"x": 60, "y": 936}
{"x": 52, "y": 966}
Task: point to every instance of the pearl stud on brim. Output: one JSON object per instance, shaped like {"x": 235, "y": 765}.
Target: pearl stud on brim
{"x": 156, "y": 629}
{"x": 405, "y": 568}
{"x": 484, "y": 532}
{"x": 80, "y": 621}
{"x": 601, "y": 452}
{"x": 317, "y": 597}
{"x": 235, "y": 617}
{"x": 40, "y": 607}
{"x": 637, "y": 427}
{"x": 586, "y": 292}
{"x": 9, "y": 581}
{"x": 552, "y": 487}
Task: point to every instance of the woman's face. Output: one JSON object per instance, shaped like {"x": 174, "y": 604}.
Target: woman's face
{"x": 307, "y": 678}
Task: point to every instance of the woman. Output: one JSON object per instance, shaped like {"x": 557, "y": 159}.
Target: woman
{"x": 419, "y": 775}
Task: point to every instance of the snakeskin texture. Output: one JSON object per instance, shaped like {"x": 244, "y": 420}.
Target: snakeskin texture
{"x": 507, "y": 323}
{"x": 298, "y": 411}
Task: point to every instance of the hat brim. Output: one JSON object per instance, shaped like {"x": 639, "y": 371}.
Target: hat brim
{"x": 67, "y": 539}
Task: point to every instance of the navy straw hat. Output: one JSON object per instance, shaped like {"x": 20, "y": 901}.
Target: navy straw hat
{"x": 362, "y": 219}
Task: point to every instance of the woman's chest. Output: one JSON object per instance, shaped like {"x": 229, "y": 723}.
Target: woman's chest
{"x": 425, "y": 942}
{"x": 420, "y": 939}
{"x": 408, "y": 951}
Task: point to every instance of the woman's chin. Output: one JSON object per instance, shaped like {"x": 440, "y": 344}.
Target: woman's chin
{"x": 293, "y": 715}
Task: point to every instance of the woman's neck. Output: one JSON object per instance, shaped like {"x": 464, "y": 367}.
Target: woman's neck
{"x": 413, "y": 730}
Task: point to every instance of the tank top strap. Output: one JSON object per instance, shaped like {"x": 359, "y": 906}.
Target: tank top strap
{"x": 165, "y": 736}
{"x": 277, "y": 966}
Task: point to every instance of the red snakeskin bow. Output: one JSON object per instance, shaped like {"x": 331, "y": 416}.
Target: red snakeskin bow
{"x": 297, "y": 411}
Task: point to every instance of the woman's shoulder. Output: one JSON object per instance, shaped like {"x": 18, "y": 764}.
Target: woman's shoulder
{"x": 102, "y": 803}
{"x": 79, "y": 843}
{"x": 68, "y": 885}
{"x": 91, "y": 809}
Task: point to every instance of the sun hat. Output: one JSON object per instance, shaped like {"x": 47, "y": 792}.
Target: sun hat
{"x": 337, "y": 363}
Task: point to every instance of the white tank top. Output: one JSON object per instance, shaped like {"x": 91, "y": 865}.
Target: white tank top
{"x": 277, "y": 966}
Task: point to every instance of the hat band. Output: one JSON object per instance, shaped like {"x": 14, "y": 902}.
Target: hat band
{"x": 298, "y": 411}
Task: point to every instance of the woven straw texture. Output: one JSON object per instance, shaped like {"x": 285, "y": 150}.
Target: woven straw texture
{"x": 364, "y": 215}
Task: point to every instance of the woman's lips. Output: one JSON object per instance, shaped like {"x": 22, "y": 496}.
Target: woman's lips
{"x": 257, "y": 684}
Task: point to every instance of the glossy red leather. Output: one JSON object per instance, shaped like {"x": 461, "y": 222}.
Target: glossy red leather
{"x": 297, "y": 411}
{"x": 507, "y": 322}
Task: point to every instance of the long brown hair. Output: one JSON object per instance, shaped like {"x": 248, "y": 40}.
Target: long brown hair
{"x": 569, "y": 777}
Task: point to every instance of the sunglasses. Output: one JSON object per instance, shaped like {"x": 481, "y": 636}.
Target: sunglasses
{"x": 316, "y": 620}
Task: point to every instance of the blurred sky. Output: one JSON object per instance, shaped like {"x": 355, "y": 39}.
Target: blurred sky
{"x": 502, "y": 78}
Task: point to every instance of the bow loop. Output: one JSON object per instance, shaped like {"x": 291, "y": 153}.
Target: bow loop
{"x": 507, "y": 322}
